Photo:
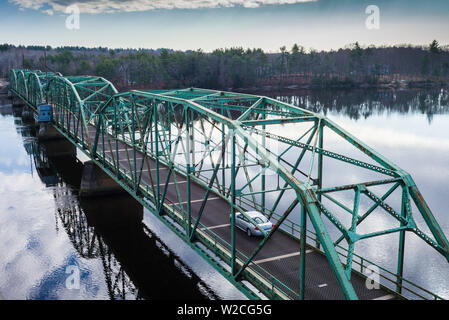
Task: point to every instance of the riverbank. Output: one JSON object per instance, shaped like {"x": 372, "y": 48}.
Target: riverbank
{"x": 364, "y": 85}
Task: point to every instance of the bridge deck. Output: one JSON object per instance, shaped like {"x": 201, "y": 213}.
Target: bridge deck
{"x": 279, "y": 257}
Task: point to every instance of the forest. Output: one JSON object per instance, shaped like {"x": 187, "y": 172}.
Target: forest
{"x": 238, "y": 68}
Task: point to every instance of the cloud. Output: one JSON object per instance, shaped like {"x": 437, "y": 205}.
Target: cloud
{"x": 49, "y": 12}
{"x": 108, "y": 6}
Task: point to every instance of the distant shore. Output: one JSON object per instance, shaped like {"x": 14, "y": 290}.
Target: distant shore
{"x": 312, "y": 86}
{"x": 280, "y": 87}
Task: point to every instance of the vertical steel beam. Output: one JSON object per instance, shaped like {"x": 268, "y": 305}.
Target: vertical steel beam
{"x": 116, "y": 138}
{"x": 156, "y": 147}
{"x": 400, "y": 266}
{"x": 223, "y": 160}
{"x": 233, "y": 185}
{"x": 302, "y": 257}
{"x": 430, "y": 219}
{"x": 192, "y": 139}
{"x": 188, "y": 150}
{"x": 329, "y": 249}
{"x": 99, "y": 125}
{"x": 320, "y": 164}
{"x": 134, "y": 120}
{"x": 264, "y": 171}
{"x": 170, "y": 106}
{"x": 355, "y": 212}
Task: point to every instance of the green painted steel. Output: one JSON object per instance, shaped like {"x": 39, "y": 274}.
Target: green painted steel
{"x": 230, "y": 144}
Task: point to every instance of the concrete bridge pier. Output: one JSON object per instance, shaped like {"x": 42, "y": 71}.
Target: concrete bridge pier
{"x": 48, "y": 132}
{"x": 95, "y": 182}
{"x": 26, "y": 114}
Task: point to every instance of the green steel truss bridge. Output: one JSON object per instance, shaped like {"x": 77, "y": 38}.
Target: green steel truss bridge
{"x": 195, "y": 157}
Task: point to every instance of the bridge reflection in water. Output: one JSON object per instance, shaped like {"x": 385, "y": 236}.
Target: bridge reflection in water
{"x": 109, "y": 228}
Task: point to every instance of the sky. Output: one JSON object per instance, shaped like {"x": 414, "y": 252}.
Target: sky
{"x": 211, "y": 24}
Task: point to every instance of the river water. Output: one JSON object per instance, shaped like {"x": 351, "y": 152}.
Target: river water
{"x": 48, "y": 235}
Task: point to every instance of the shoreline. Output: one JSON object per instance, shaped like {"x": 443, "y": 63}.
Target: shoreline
{"x": 397, "y": 85}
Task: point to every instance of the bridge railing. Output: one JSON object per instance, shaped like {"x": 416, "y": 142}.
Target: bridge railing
{"x": 392, "y": 281}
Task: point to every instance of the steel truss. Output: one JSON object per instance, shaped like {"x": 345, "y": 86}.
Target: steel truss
{"x": 234, "y": 145}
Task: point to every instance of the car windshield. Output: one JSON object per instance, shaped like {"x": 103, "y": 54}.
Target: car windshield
{"x": 260, "y": 220}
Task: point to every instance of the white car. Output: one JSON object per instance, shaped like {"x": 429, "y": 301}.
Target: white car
{"x": 243, "y": 223}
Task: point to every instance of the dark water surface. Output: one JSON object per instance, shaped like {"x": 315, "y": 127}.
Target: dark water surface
{"x": 46, "y": 230}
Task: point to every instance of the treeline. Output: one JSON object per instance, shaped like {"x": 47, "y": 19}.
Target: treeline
{"x": 6, "y": 46}
{"x": 237, "y": 68}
